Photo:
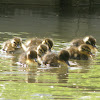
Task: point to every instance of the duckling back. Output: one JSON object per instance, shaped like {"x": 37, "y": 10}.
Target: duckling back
{"x": 33, "y": 42}
{"x": 77, "y": 42}
{"x": 51, "y": 59}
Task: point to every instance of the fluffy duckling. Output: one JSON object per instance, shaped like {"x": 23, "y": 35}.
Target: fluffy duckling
{"x": 41, "y": 50}
{"x": 90, "y": 40}
{"x": 29, "y": 58}
{"x": 49, "y": 43}
{"x": 56, "y": 60}
{"x": 83, "y": 52}
{"x": 12, "y": 45}
{"x": 36, "y": 42}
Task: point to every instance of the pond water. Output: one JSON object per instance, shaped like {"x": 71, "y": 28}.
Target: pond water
{"x": 79, "y": 81}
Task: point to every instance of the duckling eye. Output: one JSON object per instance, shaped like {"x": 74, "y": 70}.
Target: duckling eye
{"x": 14, "y": 42}
{"x": 93, "y": 44}
{"x": 85, "y": 49}
{"x": 40, "y": 50}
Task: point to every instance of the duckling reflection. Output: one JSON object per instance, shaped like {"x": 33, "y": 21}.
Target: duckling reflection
{"x": 83, "y": 52}
{"x": 90, "y": 40}
{"x": 56, "y": 60}
{"x": 12, "y": 45}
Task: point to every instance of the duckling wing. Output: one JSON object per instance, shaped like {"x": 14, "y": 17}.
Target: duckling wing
{"x": 77, "y": 42}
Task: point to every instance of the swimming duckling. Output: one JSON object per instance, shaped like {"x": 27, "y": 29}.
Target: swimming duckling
{"x": 41, "y": 51}
{"x": 29, "y": 58}
{"x": 56, "y": 60}
{"x": 36, "y": 42}
{"x": 49, "y": 43}
{"x": 90, "y": 40}
{"x": 12, "y": 45}
{"x": 83, "y": 52}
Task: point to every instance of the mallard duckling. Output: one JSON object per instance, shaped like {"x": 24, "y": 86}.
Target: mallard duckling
{"x": 55, "y": 60}
{"x": 41, "y": 50}
{"x": 49, "y": 43}
{"x": 12, "y": 45}
{"x": 86, "y": 40}
{"x": 90, "y": 40}
{"x": 28, "y": 58}
{"x": 83, "y": 52}
{"x": 36, "y": 42}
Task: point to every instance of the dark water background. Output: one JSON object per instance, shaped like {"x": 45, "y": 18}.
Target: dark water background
{"x": 80, "y": 81}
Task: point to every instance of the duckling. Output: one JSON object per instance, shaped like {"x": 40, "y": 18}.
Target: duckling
{"x": 41, "y": 51}
{"x": 49, "y": 43}
{"x": 12, "y": 45}
{"x": 28, "y": 58}
{"x": 83, "y": 52}
{"x": 90, "y": 40}
{"x": 36, "y": 42}
{"x": 56, "y": 60}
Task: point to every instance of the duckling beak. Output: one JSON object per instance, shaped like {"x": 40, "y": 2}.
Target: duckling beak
{"x": 91, "y": 54}
{"x": 35, "y": 59}
{"x": 18, "y": 46}
{"x": 95, "y": 46}
{"x": 67, "y": 62}
{"x": 49, "y": 50}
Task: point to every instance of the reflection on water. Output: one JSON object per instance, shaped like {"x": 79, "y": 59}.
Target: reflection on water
{"x": 79, "y": 81}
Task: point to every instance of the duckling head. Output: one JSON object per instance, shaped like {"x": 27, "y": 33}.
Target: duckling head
{"x": 84, "y": 49}
{"x": 90, "y": 40}
{"x": 48, "y": 42}
{"x": 41, "y": 49}
{"x": 16, "y": 42}
{"x": 32, "y": 55}
{"x": 64, "y": 56}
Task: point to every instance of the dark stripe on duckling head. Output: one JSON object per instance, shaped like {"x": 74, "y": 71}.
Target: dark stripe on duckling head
{"x": 90, "y": 40}
{"x": 84, "y": 48}
{"x": 41, "y": 49}
{"x": 48, "y": 42}
{"x": 16, "y": 42}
